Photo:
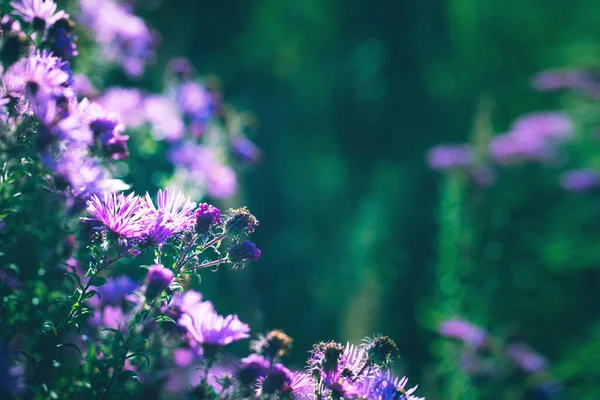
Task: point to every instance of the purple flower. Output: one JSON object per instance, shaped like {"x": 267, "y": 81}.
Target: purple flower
{"x": 8, "y": 278}
{"x": 36, "y": 77}
{"x": 115, "y": 291}
{"x": 460, "y": 329}
{"x": 211, "y": 329}
{"x": 158, "y": 279}
{"x": 243, "y": 251}
{"x": 239, "y": 220}
{"x": 245, "y": 150}
{"x": 126, "y": 104}
{"x": 108, "y": 130}
{"x": 194, "y": 101}
{"x": 299, "y": 384}
{"x": 547, "y": 125}
{"x": 251, "y": 368}
{"x": 40, "y": 13}
{"x": 580, "y": 180}
{"x": 385, "y": 386}
{"x": 446, "y": 157}
{"x": 172, "y": 214}
{"x": 181, "y": 68}
{"x": 122, "y": 215}
{"x": 526, "y": 359}
{"x": 206, "y": 216}
{"x": 276, "y": 380}
{"x": 124, "y": 38}
{"x": 61, "y": 39}
{"x": 221, "y": 181}
{"x": 163, "y": 114}
{"x": 191, "y": 303}
{"x": 561, "y": 79}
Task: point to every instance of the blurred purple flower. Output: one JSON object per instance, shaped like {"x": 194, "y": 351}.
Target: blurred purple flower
{"x": 276, "y": 380}
{"x": 123, "y": 215}
{"x": 183, "y": 357}
{"x": 126, "y": 103}
{"x": 251, "y": 368}
{"x": 194, "y": 100}
{"x": 446, "y": 157}
{"x": 245, "y": 150}
{"x": 61, "y": 40}
{"x": 115, "y": 291}
{"x": 460, "y": 329}
{"x": 526, "y": 359}
{"x": 561, "y": 79}
{"x": 41, "y": 13}
{"x": 213, "y": 329}
{"x": 166, "y": 120}
{"x": 158, "y": 279}
{"x": 546, "y": 125}
{"x": 8, "y": 278}
{"x": 580, "y": 180}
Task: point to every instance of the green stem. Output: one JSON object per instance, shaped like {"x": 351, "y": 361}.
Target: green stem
{"x": 208, "y": 264}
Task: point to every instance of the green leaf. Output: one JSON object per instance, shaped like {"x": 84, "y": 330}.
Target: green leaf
{"x": 98, "y": 281}
{"x": 116, "y": 332}
{"x": 90, "y": 294}
{"x": 127, "y": 375}
{"x": 164, "y": 318}
{"x": 75, "y": 277}
{"x": 140, "y": 354}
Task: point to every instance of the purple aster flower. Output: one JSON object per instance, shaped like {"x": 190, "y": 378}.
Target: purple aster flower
{"x": 221, "y": 181}
{"x": 446, "y": 157}
{"x": 158, "y": 279}
{"x": 300, "y": 385}
{"x": 127, "y": 104}
{"x": 561, "y": 79}
{"x": 36, "y": 77}
{"x": 40, "y": 13}
{"x": 580, "y": 180}
{"x": 243, "y": 251}
{"x": 547, "y": 125}
{"x": 526, "y": 359}
{"x": 181, "y": 68}
{"x": 163, "y": 114}
{"x": 206, "y": 216}
{"x": 277, "y": 380}
{"x": 194, "y": 100}
{"x": 211, "y": 329}
{"x": 251, "y": 368}
{"x": 122, "y": 215}
{"x": 191, "y": 302}
{"x": 108, "y": 130}
{"x": 8, "y": 279}
{"x": 115, "y": 291}
{"x": 384, "y": 386}
{"x": 245, "y": 150}
{"x": 61, "y": 40}
{"x": 124, "y": 37}
{"x": 172, "y": 214}
{"x": 460, "y": 329}
{"x": 241, "y": 220}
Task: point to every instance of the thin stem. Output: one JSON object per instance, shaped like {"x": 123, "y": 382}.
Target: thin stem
{"x": 215, "y": 240}
{"x": 180, "y": 262}
{"x": 208, "y": 264}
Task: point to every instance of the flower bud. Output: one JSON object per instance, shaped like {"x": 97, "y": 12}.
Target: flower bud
{"x": 206, "y": 216}
{"x": 243, "y": 251}
{"x": 382, "y": 349}
{"x": 158, "y": 279}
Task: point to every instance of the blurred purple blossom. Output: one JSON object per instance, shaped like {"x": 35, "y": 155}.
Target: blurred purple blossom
{"x": 526, "y": 359}
{"x": 157, "y": 280}
{"x": 446, "y": 157}
{"x": 209, "y": 328}
{"x": 245, "y": 150}
{"x": 126, "y": 103}
{"x": 165, "y": 118}
{"x": 580, "y": 180}
{"x": 460, "y": 329}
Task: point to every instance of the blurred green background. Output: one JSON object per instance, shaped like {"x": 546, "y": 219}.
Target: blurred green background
{"x": 349, "y": 96}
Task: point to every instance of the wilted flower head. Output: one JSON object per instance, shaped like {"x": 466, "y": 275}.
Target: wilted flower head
{"x": 40, "y": 13}
{"x": 526, "y": 359}
{"x": 243, "y": 251}
{"x": 157, "y": 280}
{"x": 460, "y": 329}
{"x": 122, "y": 215}
{"x": 381, "y": 349}
{"x": 580, "y": 180}
{"x": 446, "y": 157}
{"x": 206, "y": 216}
{"x": 241, "y": 220}
{"x": 276, "y": 343}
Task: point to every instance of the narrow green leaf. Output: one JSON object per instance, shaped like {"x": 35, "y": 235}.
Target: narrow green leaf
{"x": 140, "y": 354}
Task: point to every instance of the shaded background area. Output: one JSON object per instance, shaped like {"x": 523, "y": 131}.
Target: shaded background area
{"x": 349, "y": 96}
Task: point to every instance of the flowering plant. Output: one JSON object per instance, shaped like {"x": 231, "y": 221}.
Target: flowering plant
{"x": 76, "y": 323}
